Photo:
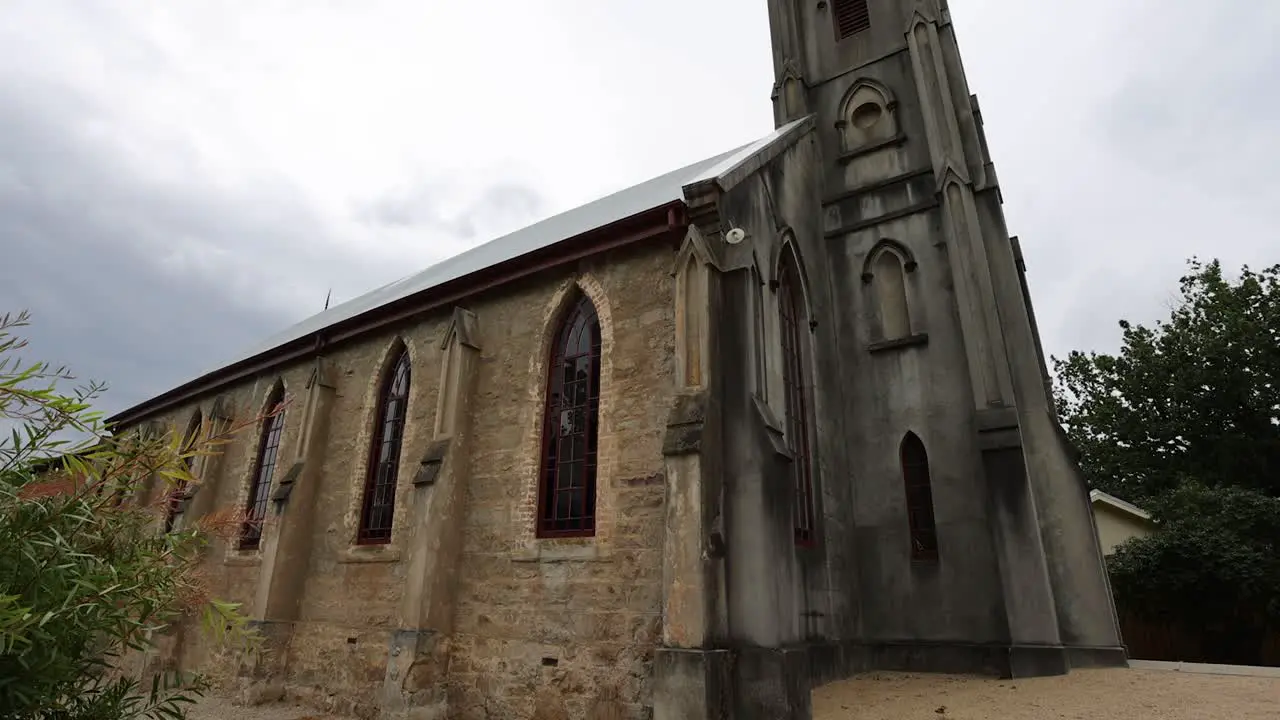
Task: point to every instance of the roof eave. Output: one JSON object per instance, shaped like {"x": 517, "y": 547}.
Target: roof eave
{"x": 642, "y": 226}
{"x": 726, "y": 175}
{"x": 1121, "y": 505}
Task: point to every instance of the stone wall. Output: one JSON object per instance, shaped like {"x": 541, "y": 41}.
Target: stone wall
{"x": 564, "y": 626}
{"x": 543, "y": 627}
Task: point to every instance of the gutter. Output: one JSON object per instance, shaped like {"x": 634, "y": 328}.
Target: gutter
{"x": 647, "y": 225}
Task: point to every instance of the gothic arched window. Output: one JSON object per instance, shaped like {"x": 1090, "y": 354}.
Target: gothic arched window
{"x": 178, "y": 493}
{"x": 377, "y": 512}
{"x": 793, "y": 325}
{"x": 915, "y": 475}
{"x": 263, "y": 468}
{"x": 567, "y": 483}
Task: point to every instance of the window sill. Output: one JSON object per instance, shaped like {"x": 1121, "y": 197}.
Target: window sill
{"x": 550, "y": 551}
{"x": 897, "y": 343}
{"x": 849, "y": 156}
{"x": 369, "y": 554}
{"x": 243, "y": 558}
{"x": 772, "y": 428}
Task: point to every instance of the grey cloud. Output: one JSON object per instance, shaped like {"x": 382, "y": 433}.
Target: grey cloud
{"x": 139, "y": 283}
{"x": 84, "y": 249}
{"x": 145, "y": 283}
{"x": 1206, "y": 111}
{"x": 1170, "y": 159}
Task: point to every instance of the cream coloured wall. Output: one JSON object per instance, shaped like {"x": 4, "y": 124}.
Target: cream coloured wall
{"x": 1115, "y": 526}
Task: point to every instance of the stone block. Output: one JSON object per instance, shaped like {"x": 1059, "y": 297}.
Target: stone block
{"x": 691, "y": 684}
{"x": 771, "y": 683}
{"x": 1103, "y": 657}
{"x": 1037, "y": 661}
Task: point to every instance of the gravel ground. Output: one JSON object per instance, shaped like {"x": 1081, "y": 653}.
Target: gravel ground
{"x": 1084, "y": 694}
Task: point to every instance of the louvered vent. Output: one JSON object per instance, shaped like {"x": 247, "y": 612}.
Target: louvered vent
{"x": 852, "y": 17}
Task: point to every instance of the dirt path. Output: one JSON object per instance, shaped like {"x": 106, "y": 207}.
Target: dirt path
{"x": 1082, "y": 695}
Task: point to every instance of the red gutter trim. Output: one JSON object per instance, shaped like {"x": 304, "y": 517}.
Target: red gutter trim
{"x": 636, "y": 228}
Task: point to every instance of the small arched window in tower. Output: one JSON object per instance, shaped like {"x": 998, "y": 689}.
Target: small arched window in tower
{"x": 915, "y": 475}
{"x": 889, "y": 280}
{"x": 378, "y": 509}
{"x": 793, "y": 327}
{"x": 851, "y": 17}
{"x": 567, "y": 481}
{"x": 263, "y": 469}
{"x": 178, "y": 493}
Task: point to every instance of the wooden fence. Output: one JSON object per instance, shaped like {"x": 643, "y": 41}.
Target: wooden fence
{"x": 1153, "y": 641}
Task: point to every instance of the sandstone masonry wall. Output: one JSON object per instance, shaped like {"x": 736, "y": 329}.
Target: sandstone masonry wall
{"x": 543, "y": 627}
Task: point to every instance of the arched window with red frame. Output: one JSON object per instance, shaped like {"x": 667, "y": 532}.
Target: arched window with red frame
{"x": 567, "y": 472}
{"x": 795, "y": 387}
{"x": 263, "y": 469}
{"x": 378, "y": 508}
{"x": 919, "y": 487}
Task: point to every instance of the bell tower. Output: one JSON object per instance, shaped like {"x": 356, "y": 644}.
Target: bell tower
{"x": 939, "y": 343}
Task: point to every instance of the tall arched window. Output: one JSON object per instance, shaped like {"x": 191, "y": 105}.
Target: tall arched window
{"x": 178, "y": 493}
{"x": 567, "y": 485}
{"x": 263, "y": 468}
{"x": 378, "y": 509}
{"x": 791, "y": 311}
{"x": 915, "y": 474}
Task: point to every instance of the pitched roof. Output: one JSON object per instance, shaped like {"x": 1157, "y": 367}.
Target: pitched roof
{"x": 1096, "y": 496}
{"x": 635, "y": 200}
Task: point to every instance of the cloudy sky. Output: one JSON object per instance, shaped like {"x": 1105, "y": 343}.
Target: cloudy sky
{"x": 179, "y": 180}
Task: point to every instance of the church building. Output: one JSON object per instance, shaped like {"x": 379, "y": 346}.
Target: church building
{"x": 687, "y": 451}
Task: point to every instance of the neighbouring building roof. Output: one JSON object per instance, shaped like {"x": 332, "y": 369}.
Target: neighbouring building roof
{"x": 637, "y": 199}
{"x": 1097, "y": 496}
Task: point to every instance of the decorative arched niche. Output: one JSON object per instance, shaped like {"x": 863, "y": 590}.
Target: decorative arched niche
{"x": 789, "y": 94}
{"x": 693, "y": 291}
{"x": 887, "y": 276}
{"x": 868, "y": 116}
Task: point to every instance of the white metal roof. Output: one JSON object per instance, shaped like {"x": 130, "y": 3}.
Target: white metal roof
{"x": 634, "y": 200}
{"x": 1115, "y": 502}
{"x": 609, "y": 209}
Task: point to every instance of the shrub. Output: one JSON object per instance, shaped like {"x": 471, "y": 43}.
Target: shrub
{"x": 86, "y": 574}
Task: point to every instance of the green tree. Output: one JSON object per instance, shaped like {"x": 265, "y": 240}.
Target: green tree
{"x": 1212, "y": 570}
{"x": 86, "y": 576}
{"x": 1195, "y": 397}
{"x": 1185, "y": 421}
